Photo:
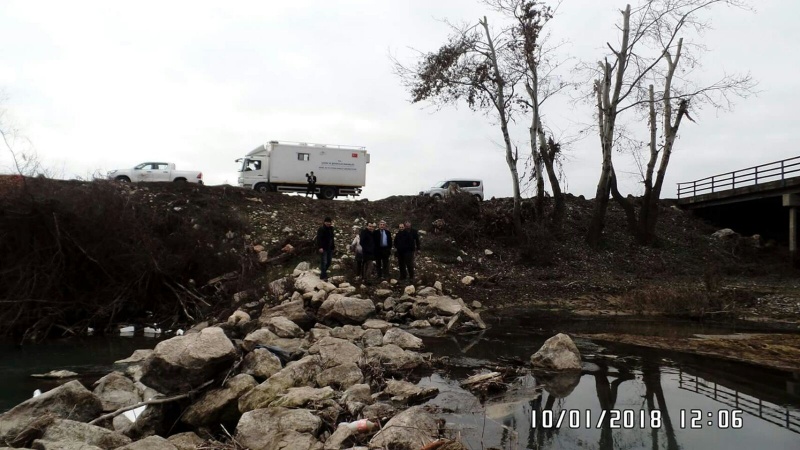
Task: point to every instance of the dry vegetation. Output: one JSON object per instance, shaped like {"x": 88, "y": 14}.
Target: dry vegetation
{"x": 78, "y": 254}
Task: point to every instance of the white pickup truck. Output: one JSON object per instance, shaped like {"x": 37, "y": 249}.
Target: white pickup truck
{"x": 154, "y": 172}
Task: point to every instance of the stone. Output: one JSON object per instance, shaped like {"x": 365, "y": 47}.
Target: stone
{"x": 378, "y": 412}
{"x": 411, "y": 429}
{"x": 334, "y": 352}
{"x": 239, "y": 317}
{"x": 316, "y": 333}
{"x": 186, "y": 441}
{"x": 303, "y": 266}
{"x": 263, "y": 257}
{"x": 341, "y": 377}
{"x": 219, "y": 405}
{"x": 283, "y": 327}
{"x": 377, "y": 324}
{"x": 408, "y": 393}
{"x": 310, "y": 282}
{"x": 348, "y": 332}
{"x": 346, "y": 309}
{"x": 389, "y": 303}
{"x": 260, "y": 363}
{"x": 358, "y": 393}
{"x": 296, "y": 373}
{"x": 150, "y": 443}
{"x": 68, "y": 401}
{"x": 438, "y": 286}
{"x": 265, "y": 429}
{"x": 318, "y": 298}
{"x": 56, "y": 374}
{"x": 420, "y": 324}
{"x": 383, "y": 293}
{"x": 336, "y": 440}
{"x": 477, "y": 305}
{"x": 467, "y": 280}
{"x": 263, "y": 336}
{"x": 115, "y": 391}
{"x": 445, "y": 306}
{"x": 725, "y": 233}
{"x": 428, "y": 291}
{"x": 183, "y": 363}
{"x": 393, "y": 358}
{"x": 372, "y": 338}
{"x": 278, "y": 287}
{"x": 488, "y": 252}
{"x": 302, "y": 396}
{"x": 409, "y": 290}
{"x": 294, "y": 311}
{"x": 558, "y": 353}
{"x": 63, "y": 431}
{"x": 402, "y": 339}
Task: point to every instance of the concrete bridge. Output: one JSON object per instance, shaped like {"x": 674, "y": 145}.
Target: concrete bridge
{"x": 752, "y": 199}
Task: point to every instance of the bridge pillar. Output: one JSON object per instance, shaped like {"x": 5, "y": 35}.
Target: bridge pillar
{"x": 793, "y": 202}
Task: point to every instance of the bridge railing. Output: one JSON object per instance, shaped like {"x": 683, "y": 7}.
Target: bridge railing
{"x": 774, "y": 171}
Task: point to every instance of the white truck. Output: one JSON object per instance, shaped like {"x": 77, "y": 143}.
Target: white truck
{"x": 340, "y": 170}
{"x": 154, "y": 172}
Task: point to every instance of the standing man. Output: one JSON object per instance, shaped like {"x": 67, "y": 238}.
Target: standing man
{"x": 325, "y": 246}
{"x": 415, "y": 239}
{"x": 367, "y": 240}
{"x": 383, "y": 244}
{"x": 312, "y": 184}
{"x": 404, "y": 243}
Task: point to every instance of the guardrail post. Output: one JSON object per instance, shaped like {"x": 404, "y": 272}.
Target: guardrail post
{"x": 694, "y": 188}
{"x": 733, "y": 180}
{"x": 781, "y": 170}
{"x": 756, "y": 174}
{"x": 712, "y": 184}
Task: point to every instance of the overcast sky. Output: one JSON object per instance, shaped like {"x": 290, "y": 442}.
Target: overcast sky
{"x": 99, "y": 85}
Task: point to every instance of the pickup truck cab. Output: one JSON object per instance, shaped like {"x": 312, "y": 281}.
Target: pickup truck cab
{"x": 155, "y": 172}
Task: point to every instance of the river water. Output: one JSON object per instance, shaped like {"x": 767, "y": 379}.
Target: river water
{"x": 652, "y": 399}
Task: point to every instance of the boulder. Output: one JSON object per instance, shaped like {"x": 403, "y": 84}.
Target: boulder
{"x": 334, "y": 352}
{"x": 261, "y": 364}
{"x": 402, "y": 339}
{"x": 310, "y": 282}
{"x": 378, "y": 412}
{"x": 219, "y": 405}
{"x": 68, "y": 401}
{"x": 64, "y": 431}
{"x": 377, "y": 324}
{"x": 278, "y": 287}
{"x": 296, "y": 373}
{"x": 302, "y": 396}
{"x": 342, "y": 376}
{"x": 336, "y": 440}
{"x": 557, "y": 353}
{"x": 132, "y": 365}
{"x": 393, "y": 358}
{"x": 275, "y": 428}
{"x": 346, "y": 309}
{"x": 150, "y": 443}
{"x": 420, "y": 324}
{"x": 263, "y": 336}
{"x": 115, "y": 391}
{"x": 185, "y": 362}
{"x": 358, "y": 393}
{"x": 372, "y": 338}
{"x": 409, "y": 290}
{"x": 294, "y": 311}
{"x": 348, "y": 332}
{"x": 409, "y": 393}
{"x": 283, "y": 327}
{"x": 411, "y": 429}
{"x": 725, "y": 233}
{"x": 186, "y": 441}
{"x": 467, "y": 280}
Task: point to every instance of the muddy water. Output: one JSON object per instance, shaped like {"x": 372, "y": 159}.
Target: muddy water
{"x": 625, "y": 397}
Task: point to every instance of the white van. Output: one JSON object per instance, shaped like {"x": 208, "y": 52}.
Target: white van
{"x": 474, "y": 187}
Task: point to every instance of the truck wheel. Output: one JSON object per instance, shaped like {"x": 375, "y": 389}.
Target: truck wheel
{"x": 436, "y": 196}
{"x": 262, "y": 187}
{"x": 328, "y": 193}
{"x": 123, "y": 179}
{"x": 180, "y": 180}
{"x": 478, "y": 197}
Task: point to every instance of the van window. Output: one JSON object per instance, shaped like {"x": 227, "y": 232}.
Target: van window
{"x": 468, "y": 183}
{"x": 303, "y": 156}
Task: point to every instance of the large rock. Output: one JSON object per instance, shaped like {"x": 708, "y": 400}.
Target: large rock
{"x": 186, "y": 441}
{"x": 261, "y": 364}
{"x": 302, "y": 396}
{"x": 372, "y": 338}
{"x": 132, "y": 365}
{"x": 150, "y": 443}
{"x": 393, "y": 358}
{"x": 408, "y": 393}
{"x": 346, "y": 309}
{"x": 309, "y": 282}
{"x": 557, "y": 353}
{"x": 263, "y": 336}
{"x": 283, "y": 327}
{"x": 64, "y": 431}
{"x": 294, "y": 311}
{"x": 68, "y": 401}
{"x": 219, "y": 405}
{"x": 342, "y": 376}
{"x": 377, "y": 324}
{"x": 296, "y": 373}
{"x": 402, "y": 339}
{"x": 411, "y": 429}
{"x": 278, "y": 428}
{"x": 335, "y": 352}
{"x": 348, "y": 332}
{"x": 185, "y": 362}
{"x": 116, "y": 391}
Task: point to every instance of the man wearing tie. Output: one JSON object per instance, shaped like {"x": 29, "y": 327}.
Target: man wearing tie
{"x": 383, "y": 239}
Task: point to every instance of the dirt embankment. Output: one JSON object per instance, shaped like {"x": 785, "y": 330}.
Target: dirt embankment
{"x": 78, "y": 254}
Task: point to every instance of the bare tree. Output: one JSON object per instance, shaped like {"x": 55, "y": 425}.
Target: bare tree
{"x": 471, "y": 66}
{"x": 537, "y": 66}
{"x": 650, "y": 50}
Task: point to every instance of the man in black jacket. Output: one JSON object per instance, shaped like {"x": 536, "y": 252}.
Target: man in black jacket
{"x": 326, "y": 245}
{"x": 383, "y": 249}
{"x": 404, "y": 243}
{"x": 367, "y": 240}
{"x": 415, "y": 240}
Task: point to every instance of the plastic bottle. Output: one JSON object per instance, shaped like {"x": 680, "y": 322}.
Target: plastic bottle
{"x": 360, "y": 426}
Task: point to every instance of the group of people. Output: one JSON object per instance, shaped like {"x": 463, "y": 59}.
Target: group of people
{"x": 373, "y": 245}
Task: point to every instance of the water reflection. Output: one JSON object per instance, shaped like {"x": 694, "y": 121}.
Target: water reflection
{"x": 645, "y": 384}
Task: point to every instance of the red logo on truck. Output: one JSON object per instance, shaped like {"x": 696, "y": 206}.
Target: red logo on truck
{"x": 354, "y": 155}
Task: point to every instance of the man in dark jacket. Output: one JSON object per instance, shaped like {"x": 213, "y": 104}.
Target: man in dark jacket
{"x": 367, "y": 240}
{"x": 415, "y": 238}
{"x": 404, "y": 243}
{"x": 325, "y": 244}
{"x": 383, "y": 249}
